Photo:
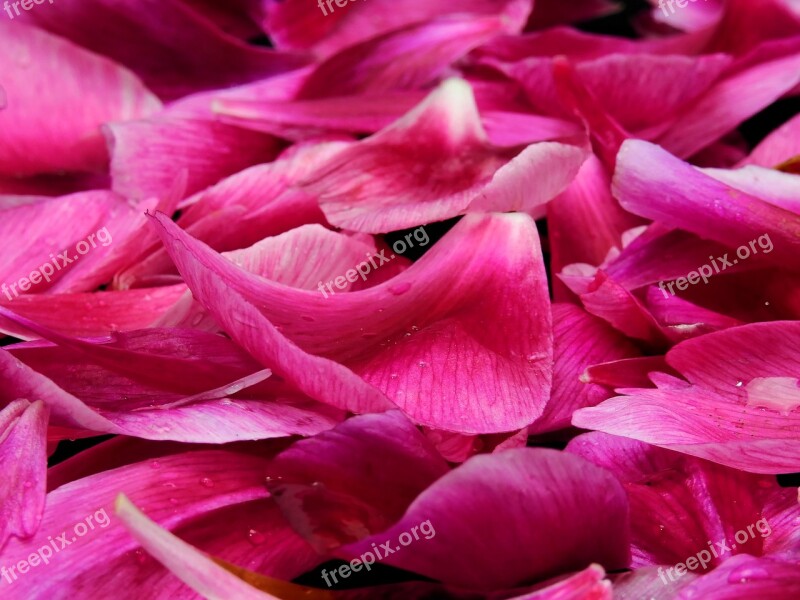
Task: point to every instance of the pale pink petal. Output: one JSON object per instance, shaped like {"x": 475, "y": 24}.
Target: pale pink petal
{"x": 689, "y": 199}
{"x": 177, "y": 491}
{"x": 191, "y": 566}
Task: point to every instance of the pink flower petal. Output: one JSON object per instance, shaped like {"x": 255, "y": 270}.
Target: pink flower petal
{"x": 579, "y": 341}
{"x": 436, "y": 163}
{"x": 200, "y": 57}
{"x": 191, "y": 566}
{"x": 695, "y": 202}
{"x": 23, "y": 459}
{"x": 320, "y": 487}
{"x": 295, "y": 25}
{"x": 512, "y": 360}
{"x": 176, "y": 491}
{"x": 721, "y": 416}
{"x": 46, "y": 133}
{"x": 530, "y": 538}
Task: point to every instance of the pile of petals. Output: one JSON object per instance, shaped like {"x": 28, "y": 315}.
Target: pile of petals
{"x": 398, "y": 299}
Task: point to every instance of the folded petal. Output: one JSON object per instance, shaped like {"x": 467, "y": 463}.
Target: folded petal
{"x": 401, "y": 335}
{"x": 436, "y": 163}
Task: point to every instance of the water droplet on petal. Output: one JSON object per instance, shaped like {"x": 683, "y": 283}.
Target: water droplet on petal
{"x": 399, "y": 289}
{"x": 747, "y": 573}
{"x": 255, "y": 537}
{"x": 206, "y": 482}
{"x": 422, "y": 364}
{"x": 155, "y": 465}
{"x": 139, "y": 555}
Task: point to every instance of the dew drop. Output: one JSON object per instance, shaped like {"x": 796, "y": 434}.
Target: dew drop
{"x": 400, "y": 288}
{"x": 393, "y": 376}
{"x": 139, "y": 555}
{"x": 155, "y": 465}
{"x": 739, "y": 383}
{"x": 422, "y": 364}
{"x": 206, "y": 482}
{"x": 255, "y": 537}
{"x": 747, "y": 573}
